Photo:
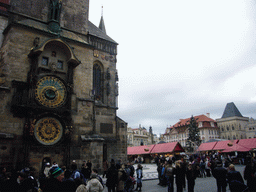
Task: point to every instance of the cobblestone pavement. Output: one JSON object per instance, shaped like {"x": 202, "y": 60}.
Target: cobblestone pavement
{"x": 150, "y": 181}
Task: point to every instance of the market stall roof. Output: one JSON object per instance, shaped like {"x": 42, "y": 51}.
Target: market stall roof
{"x": 168, "y": 148}
{"x": 140, "y": 150}
{"x": 236, "y": 147}
{"x": 249, "y": 143}
{"x": 221, "y": 145}
{"x": 207, "y": 146}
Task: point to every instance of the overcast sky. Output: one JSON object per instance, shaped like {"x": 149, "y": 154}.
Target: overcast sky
{"x": 178, "y": 58}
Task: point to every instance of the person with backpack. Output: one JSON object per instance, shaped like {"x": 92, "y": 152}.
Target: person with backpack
{"x": 163, "y": 178}
{"x": 168, "y": 172}
{"x": 76, "y": 174}
{"x": 94, "y": 184}
{"x": 98, "y": 177}
{"x": 139, "y": 174}
{"x": 129, "y": 183}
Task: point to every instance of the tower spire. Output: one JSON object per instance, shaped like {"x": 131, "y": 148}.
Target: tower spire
{"x": 102, "y": 25}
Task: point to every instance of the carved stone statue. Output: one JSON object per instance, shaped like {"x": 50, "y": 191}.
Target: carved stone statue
{"x": 55, "y": 8}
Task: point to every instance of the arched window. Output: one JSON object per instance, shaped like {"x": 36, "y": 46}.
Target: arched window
{"x": 97, "y": 82}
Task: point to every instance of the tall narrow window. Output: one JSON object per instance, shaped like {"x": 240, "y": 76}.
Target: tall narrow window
{"x": 44, "y": 61}
{"x": 97, "y": 82}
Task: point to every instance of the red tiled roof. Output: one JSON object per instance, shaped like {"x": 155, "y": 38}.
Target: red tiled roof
{"x": 139, "y": 150}
{"x": 249, "y": 143}
{"x": 223, "y": 144}
{"x": 200, "y": 118}
{"x": 167, "y": 148}
{"x": 207, "y": 146}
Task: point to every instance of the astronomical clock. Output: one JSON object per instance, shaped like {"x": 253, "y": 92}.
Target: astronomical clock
{"x": 46, "y": 97}
{"x": 50, "y": 92}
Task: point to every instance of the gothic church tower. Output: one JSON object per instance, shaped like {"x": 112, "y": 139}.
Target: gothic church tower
{"x": 58, "y": 86}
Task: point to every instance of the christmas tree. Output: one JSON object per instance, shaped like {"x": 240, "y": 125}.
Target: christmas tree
{"x": 193, "y": 139}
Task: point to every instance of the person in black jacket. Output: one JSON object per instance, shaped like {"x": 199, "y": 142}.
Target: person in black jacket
{"x": 220, "y": 174}
{"x": 112, "y": 177}
{"x": 54, "y": 182}
{"x": 235, "y": 180}
{"x": 180, "y": 173}
{"x": 68, "y": 183}
{"x": 250, "y": 174}
{"x": 191, "y": 174}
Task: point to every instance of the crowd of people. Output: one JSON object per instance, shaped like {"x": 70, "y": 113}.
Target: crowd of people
{"x": 53, "y": 178}
{"x": 120, "y": 177}
{"x": 185, "y": 171}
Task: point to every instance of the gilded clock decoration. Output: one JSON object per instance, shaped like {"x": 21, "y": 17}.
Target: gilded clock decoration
{"x": 48, "y": 131}
{"x": 50, "y": 92}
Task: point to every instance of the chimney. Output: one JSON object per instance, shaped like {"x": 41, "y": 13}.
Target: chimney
{"x": 208, "y": 115}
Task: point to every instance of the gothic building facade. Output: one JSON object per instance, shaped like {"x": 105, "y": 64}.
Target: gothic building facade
{"x": 232, "y": 124}
{"x": 58, "y": 86}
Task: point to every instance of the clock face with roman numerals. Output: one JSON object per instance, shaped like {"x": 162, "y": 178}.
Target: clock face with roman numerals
{"x": 50, "y": 92}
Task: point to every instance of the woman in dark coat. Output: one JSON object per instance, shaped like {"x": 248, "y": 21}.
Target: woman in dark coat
{"x": 179, "y": 171}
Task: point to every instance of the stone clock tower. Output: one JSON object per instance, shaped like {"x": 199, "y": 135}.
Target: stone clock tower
{"x": 58, "y": 86}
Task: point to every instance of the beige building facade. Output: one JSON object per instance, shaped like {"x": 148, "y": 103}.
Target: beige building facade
{"x": 140, "y": 136}
{"x": 250, "y": 129}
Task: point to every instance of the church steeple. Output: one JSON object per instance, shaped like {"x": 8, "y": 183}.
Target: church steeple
{"x": 102, "y": 25}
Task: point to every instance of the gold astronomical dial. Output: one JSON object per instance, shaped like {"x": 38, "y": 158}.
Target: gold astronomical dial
{"x": 50, "y": 92}
{"x": 48, "y": 130}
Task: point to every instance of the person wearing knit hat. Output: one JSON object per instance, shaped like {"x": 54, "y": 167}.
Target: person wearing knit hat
{"x": 54, "y": 183}
{"x": 57, "y": 173}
